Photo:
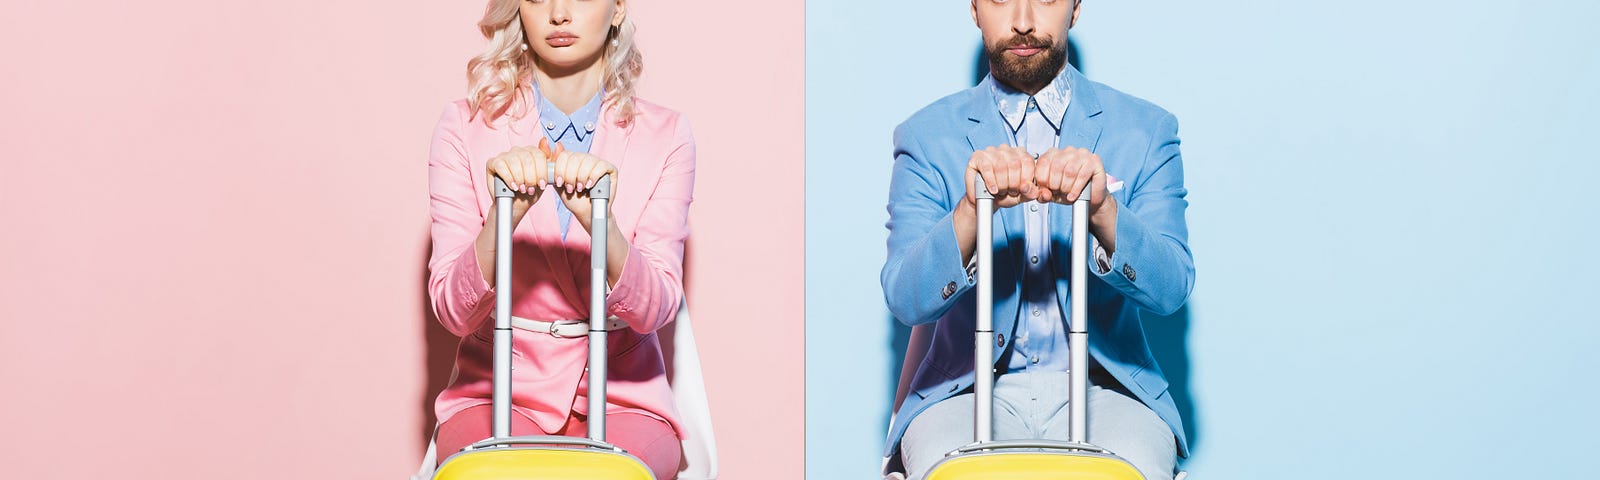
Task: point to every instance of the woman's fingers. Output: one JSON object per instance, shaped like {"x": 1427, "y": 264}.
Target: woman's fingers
{"x": 530, "y": 170}
{"x": 565, "y": 167}
{"x": 508, "y": 171}
{"x": 597, "y": 168}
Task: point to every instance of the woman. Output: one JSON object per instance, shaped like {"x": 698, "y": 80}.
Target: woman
{"x": 561, "y": 73}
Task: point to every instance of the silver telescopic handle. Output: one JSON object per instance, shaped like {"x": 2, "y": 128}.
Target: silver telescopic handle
{"x": 502, "y": 309}
{"x": 599, "y": 194}
{"x": 1078, "y": 326}
{"x": 1078, "y": 329}
{"x": 599, "y": 229}
{"x": 983, "y": 351}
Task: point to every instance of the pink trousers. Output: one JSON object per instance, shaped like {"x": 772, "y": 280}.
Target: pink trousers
{"x": 649, "y": 439}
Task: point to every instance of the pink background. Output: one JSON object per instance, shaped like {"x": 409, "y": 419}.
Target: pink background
{"x": 215, "y": 228}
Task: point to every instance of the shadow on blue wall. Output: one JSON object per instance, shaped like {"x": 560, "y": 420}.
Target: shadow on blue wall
{"x": 1168, "y": 336}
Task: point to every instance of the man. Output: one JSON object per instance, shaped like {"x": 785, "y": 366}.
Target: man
{"x": 1038, "y": 133}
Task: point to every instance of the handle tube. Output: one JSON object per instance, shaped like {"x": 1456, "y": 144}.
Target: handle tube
{"x": 502, "y": 310}
{"x": 983, "y": 351}
{"x": 599, "y": 196}
{"x": 1078, "y": 324}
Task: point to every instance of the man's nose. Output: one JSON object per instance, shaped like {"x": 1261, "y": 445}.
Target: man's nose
{"x": 1022, "y": 17}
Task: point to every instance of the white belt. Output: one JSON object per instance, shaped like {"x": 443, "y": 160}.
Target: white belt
{"x": 564, "y": 328}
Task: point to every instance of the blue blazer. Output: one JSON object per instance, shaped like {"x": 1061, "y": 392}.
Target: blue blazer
{"x": 924, "y": 279}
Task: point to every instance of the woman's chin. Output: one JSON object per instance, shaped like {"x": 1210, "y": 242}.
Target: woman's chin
{"x": 566, "y": 59}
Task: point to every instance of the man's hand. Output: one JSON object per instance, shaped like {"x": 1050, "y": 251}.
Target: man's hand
{"x": 1057, "y": 176}
{"x": 1062, "y": 175}
{"x": 1008, "y": 174}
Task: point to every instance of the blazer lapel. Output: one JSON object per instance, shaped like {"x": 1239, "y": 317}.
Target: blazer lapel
{"x": 988, "y": 131}
{"x": 1081, "y": 127}
{"x": 611, "y": 142}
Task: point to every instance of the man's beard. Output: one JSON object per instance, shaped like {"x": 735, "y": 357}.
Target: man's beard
{"x": 1034, "y": 71}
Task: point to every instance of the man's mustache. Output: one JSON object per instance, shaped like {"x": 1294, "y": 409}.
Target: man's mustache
{"x": 1026, "y": 41}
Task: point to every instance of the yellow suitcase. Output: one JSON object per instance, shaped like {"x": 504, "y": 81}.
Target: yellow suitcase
{"x": 546, "y": 457}
{"x": 988, "y": 459}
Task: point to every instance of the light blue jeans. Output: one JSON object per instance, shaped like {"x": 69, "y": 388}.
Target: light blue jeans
{"x": 1033, "y": 405}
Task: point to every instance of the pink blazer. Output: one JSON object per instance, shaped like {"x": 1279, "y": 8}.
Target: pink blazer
{"x": 655, "y": 157}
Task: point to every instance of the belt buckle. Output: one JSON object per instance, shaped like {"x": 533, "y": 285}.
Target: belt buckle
{"x": 561, "y": 323}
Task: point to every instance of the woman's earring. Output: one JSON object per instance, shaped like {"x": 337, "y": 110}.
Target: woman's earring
{"x": 614, "y": 42}
{"x": 524, "y": 46}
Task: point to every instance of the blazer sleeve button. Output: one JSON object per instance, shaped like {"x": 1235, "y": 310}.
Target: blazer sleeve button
{"x": 1127, "y": 271}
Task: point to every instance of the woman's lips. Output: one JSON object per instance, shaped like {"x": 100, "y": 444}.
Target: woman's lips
{"x": 561, "y": 39}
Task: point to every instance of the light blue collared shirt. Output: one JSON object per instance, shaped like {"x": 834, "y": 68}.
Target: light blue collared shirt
{"x": 1034, "y": 122}
{"x": 574, "y": 132}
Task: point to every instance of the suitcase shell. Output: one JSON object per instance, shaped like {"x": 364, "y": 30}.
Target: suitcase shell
{"x": 545, "y": 463}
{"x": 988, "y": 459}
{"x": 546, "y": 457}
{"x": 1018, "y": 465}
{"x": 1032, "y": 460}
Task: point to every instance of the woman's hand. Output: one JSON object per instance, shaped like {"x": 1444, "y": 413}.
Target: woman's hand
{"x": 576, "y": 173}
{"x": 523, "y": 169}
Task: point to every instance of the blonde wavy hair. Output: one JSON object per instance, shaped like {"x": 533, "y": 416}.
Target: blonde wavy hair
{"x": 498, "y": 80}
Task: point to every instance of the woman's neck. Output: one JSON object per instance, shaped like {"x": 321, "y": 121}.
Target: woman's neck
{"x": 569, "y": 89}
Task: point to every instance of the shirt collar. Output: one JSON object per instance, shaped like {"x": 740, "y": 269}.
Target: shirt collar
{"x": 580, "y": 124}
{"x": 1051, "y": 101}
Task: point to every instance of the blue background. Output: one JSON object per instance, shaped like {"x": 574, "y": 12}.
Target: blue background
{"x": 1392, "y": 222}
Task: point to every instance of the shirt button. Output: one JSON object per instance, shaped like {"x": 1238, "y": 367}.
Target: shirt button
{"x": 1000, "y": 340}
{"x": 1034, "y": 259}
{"x": 1035, "y": 359}
{"x": 588, "y": 126}
{"x": 1033, "y": 208}
{"x": 1035, "y": 313}
{"x": 550, "y": 125}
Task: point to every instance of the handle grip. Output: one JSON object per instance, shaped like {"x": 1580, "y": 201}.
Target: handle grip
{"x": 601, "y": 188}
{"x": 541, "y": 439}
{"x": 983, "y": 193}
{"x": 1029, "y": 444}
